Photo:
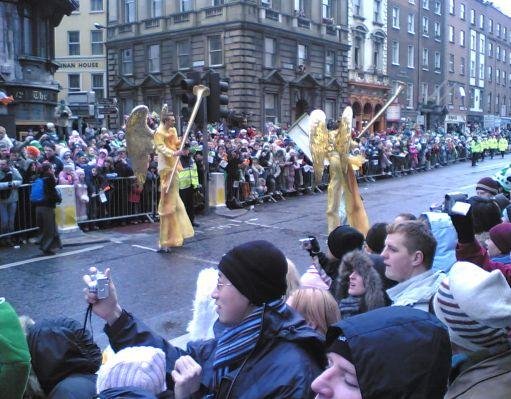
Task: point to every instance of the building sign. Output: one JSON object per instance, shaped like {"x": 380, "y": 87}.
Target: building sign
{"x": 394, "y": 113}
{"x": 421, "y": 120}
{"x": 81, "y": 64}
{"x": 455, "y": 118}
{"x": 34, "y": 95}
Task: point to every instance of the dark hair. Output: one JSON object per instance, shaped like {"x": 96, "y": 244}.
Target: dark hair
{"x": 375, "y": 238}
{"x": 46, "y": 166}
{"x": 485, "y": 214}
{"x": 50, "y": 145}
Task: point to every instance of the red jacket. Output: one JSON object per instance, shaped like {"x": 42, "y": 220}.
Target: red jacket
{"x": 474, "y": 253}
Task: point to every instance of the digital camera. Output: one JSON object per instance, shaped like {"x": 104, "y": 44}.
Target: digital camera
{"x": 305, "y": 243}
{"x": 451, "y": 199}
{"x": 99, "y": 285}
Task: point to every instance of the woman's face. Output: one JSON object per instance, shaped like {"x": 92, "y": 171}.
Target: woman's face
{"x": 356, "y": 286}
{"x": 338, "y": 381}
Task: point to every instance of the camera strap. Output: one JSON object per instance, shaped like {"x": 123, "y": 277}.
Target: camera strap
{"x": 88, "y": 314}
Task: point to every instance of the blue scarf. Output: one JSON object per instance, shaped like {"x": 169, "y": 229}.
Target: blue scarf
{"x": 237, "y": 343}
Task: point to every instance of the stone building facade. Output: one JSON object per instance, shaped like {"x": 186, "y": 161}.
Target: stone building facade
{"x": 26, "y": 60}
{"x": 282, "y": 58}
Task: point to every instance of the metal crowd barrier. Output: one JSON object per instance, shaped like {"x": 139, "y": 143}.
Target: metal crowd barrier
{"x": 24, "y": 221}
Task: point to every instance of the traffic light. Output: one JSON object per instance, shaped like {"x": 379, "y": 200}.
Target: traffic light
{"x": 217, "y": 97}
{"x": 188, "y": 99}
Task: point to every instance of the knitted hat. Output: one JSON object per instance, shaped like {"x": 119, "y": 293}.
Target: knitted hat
{"x": 489, "y": 185}
{"x": 257, "y": 269}
{"x": 501, "y": 237}
{"x": 344, "y": 239}
{"x": 375, "y": 238}
{"x": 475, "y": 305}
{"x": 137, "y": 366}
{"x": 33, "y": 151}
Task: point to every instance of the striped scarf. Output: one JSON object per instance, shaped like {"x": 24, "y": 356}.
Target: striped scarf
{"x": 237, "y": 343}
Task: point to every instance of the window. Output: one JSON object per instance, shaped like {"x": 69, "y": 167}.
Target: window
{"x": 425, "y": 58}
{"x": 215, "y": 50}
{"x": 326, "y": 9}
{"x": 472, "y": 98}
{"x": 185, "y": 5}
{"x": 462, "y": 38}
{"x": 424, "y": 93}
{"x": 498, "y": 30}
{"x": 357, "y": 7}
{"x": 153, "y": 58}
{"x": 437, "y": 30}
{"x": 302, "y": 54}
{"x": 425, "y": 26}
{"x": 409, "y": 96}
{"x": 395, "y": 17}
{"x": 271, "y": 102}
{"x": 472, "y": 40}
{"x": 129, "y": 11}
{"x": 490, "y": 73}
{"x": 462, "y": 11}
{"x": 410, "y": 56}
{"x": 127, "y": 61}
{"x": 330, "y": 107}
{"x": 472, "y": 69}
{"x": 490, "y": 49}
{"x": 481, "y": 45}
{"x": 437, "y": 94}
{"x": 472, "y": 17}
{"x": 481, "y": 71}
{"x": 270, "y": 52}
{"x": 73, "y": 82}
{"x": 503, "y": 78}
{"x": 329, "y": 62}
{"x": 462, "y": 66}
{"x": 425, "y": 4}
{"x": 497, "y": 53}
{"x": 490, "y": 25}
{"x": 462, "y": 96}
{"x": 98, "y": 85}
{"x": 451, "y": 34}
{"x": 451, "y": 7}
{"x": 73, "y": 42}
{"x": 488, "y": 101}
{"x": 438, "y": 7}
{"x": 497, "y": 75}
{"x": 451, "y": 63}
{"x": 395, "y": 53}
{"x": 411, "y": 23}
{"x": 218, "y": 2}
{"x": 357, "y": 52}
{"x": 451, "y": 96}
{"x": 96, "y": 5}
{"x": 377, "y": 54}
{"x": 156, "y": 8}
{"x": 437, "y": 60}
{"x": 504, "y": 58}
{"x": 96, "y": 42}
{"x": 481, "y": 21}
{"x": 377, "y": 10}
{"x": 504, "y": 33}
{"x": 183, "y": 54}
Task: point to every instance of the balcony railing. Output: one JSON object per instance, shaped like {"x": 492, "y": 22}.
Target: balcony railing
{"x": 270, "y": 14}
{"x": 152, "y": 23}
{"x": 304, "y": 23}
{"x": 183, "y": 17}
{"x": 126, "y": 28}
{"x": 213, "y": 12}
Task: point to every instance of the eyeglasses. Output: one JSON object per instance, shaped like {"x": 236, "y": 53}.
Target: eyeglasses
{"x": 220, "y": 285}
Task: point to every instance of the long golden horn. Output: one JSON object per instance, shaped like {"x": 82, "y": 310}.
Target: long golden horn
{"x": 200, "y": 91}
{"x": 387, "y": 104}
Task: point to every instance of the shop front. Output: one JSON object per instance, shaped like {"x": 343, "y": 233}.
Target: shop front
{"x": 455, "y": 123}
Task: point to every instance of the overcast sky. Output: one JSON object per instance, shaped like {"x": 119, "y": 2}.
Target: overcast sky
{"x": 504, "y": 5}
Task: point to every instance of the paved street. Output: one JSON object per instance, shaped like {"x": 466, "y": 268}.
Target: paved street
{"x": 159, "y": 287}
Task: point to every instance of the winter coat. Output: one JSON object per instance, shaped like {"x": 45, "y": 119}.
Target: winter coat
{"x": 9, "y": 184}
{"x": 75, "y": 386}
{"x": 489, "y": 378}
{"x": 473, "y": 252}
{"x": 446, "y": 238}
{"x": 398, "y": 353}
{"x": 288, "y": 356}
{"x": 360, "y": 262}
{"x": 59, "y": 350}
{"x": 416, "y": 291}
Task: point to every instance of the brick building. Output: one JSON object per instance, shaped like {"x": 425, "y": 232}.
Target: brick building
{"x": 283, "y": 58}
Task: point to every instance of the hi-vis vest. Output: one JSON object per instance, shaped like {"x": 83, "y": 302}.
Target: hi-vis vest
{"x": 188, "y": 177}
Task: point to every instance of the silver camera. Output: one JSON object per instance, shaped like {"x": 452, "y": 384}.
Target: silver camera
{"x": 99, "y": 285}
{"x": 306, "y": 243}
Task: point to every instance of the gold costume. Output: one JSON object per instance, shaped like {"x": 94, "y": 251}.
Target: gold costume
{"x": 335, "y": 145}
{"x": 175, "y": 225}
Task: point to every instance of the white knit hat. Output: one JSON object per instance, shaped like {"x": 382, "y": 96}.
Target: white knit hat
{"x": 475, "y": 305}
{"x": 137, "y": 366}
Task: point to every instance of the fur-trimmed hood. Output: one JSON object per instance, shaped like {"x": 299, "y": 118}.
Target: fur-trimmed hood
{"x": 360, "y": 262}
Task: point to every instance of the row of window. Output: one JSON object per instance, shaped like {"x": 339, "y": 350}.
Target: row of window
{"x": 396, "y": 24}
{"x": 410, "y": 57}
{"x": 94, "y": 5}
{"x": 424, "y": 95}
{"x": 500, "y": 104}
{"x": 74, "y": 83}
{"x": 358, "y": 9}
{"x": 500, "y": 75}
{"x": 500, "y": 31}
{"x": 96, "y": 42}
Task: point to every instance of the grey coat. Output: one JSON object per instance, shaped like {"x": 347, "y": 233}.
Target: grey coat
{"x": 10, "y": 185}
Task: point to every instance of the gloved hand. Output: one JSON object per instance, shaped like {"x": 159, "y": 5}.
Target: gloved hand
{"x": 464, "y": 227}
{"x": 314, "y": 248}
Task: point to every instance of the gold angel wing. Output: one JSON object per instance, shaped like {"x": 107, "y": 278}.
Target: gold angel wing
{"x": 139, "y": 140}
{"x": 318, "y": 142}
{"x": 343, "y": 139}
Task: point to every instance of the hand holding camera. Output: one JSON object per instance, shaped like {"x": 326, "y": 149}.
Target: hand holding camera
{"x": 311, "y": 245}
{"x": 102, "y": 295}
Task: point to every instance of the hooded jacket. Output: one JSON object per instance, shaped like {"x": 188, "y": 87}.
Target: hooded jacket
{"x": 59, "y": 350}
{"x": 374, "y": 296}
{"x": 398, "y": 353}
{"x": 288, "y": 356}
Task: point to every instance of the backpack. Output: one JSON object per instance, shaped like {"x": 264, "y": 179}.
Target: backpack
{"x": 37, "y": 191}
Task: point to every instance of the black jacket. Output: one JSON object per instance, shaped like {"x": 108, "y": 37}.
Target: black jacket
{"x": 288, "y": 357}
{"x": 51, "y": 195}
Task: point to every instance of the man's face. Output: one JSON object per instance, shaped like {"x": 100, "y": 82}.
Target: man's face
{"x": 49, "y": 152}
{"x": 170, "y": 121}
{"x": 338, "y": 381}
{"x": 232, "y": 307}
{"x": 2, "y": 133}
{"x": 4, "y": 165}
{"x": 398, "y": 261}
{"x": 483, "y": 194}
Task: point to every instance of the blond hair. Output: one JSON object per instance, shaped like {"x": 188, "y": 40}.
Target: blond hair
{"x": 317, "y": 306}
{"x": 292, "y": 278}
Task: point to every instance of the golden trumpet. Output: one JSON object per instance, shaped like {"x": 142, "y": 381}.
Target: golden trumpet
{"x": 387, "y": 104}
{"x": 199, "y": 91}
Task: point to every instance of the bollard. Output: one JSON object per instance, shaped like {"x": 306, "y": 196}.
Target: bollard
{"x": 65, "y": 212}
{"x": 216, "y": 190}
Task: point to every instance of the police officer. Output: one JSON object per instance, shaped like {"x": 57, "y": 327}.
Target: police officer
{"x": 188, "y": 182}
